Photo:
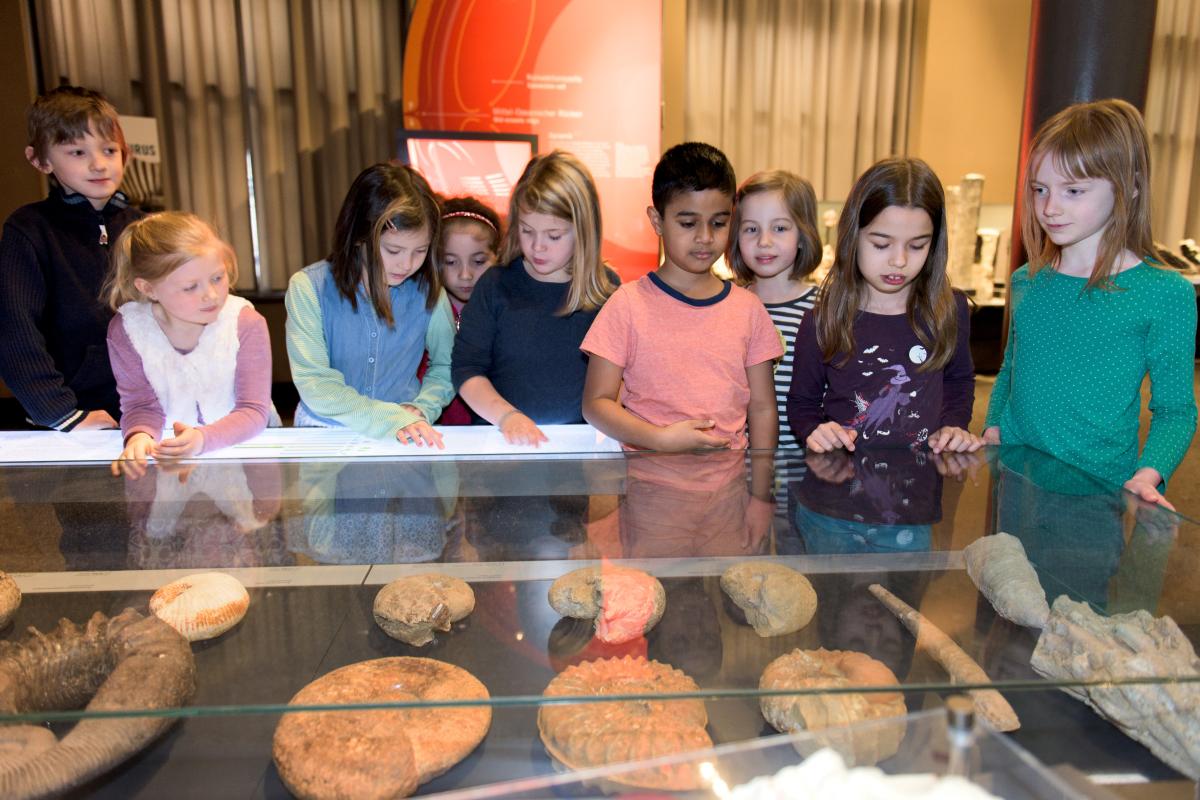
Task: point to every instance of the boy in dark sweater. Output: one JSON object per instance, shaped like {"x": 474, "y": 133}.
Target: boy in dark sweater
{"x": 54, "y": 261}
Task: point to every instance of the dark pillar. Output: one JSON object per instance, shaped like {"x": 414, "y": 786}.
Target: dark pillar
{"x": 1080, "y": 50}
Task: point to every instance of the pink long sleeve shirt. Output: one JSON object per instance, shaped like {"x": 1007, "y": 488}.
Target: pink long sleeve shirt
{"x": 141, "y": 411}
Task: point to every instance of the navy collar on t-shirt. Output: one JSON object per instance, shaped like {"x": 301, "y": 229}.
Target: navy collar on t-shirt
{"x": 691, "y": 301}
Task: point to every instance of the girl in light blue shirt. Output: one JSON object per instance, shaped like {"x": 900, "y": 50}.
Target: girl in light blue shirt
{"x": 360, "y": 321}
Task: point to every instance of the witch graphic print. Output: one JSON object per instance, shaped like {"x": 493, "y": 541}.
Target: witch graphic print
{"x": 881, "y": 391}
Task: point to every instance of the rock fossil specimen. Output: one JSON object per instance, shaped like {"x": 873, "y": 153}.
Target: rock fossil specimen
{"x": 776, "y": 599}
{"x": 591, "y": 734}
{"x": 385, "y": 753}
{"x": 626, "y": 603}
{"x": 835, "y": 669}
{"x": 1079, "y": 644}
{"x": 10, "y": 599}
{"x": 990, "y": 704}
{"x": 128, "y": 662}
{"x": 201, "y": 606}
{"x": 411, "y": 609}
{"x": 998, "y": 566}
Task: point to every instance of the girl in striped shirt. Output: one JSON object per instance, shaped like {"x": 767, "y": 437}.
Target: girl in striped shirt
{"x": 775, "y": 218}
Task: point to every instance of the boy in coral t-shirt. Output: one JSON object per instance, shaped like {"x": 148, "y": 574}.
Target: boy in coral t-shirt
{"x": 694, "y": 352}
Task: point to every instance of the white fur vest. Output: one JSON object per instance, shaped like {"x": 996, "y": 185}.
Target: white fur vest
{"x": 195, "y": 385}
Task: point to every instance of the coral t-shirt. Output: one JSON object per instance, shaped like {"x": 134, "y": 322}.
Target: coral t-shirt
{"x": 685, "y": 358}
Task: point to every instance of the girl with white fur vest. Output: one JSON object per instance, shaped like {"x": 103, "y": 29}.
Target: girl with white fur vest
{"x": 184, "y": 352}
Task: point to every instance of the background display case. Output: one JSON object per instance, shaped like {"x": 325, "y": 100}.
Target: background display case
{"x": 314, "y": 540}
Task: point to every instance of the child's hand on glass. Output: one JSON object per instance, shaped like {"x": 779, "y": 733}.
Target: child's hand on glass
{"x": 188, "y": 441}
{"x": 689, "y": 434}
{"x": 992, "y": 435}
{"x": 1144, "y": 484}
{"x": 950, "y": 439}
{"x": 420, "y": 433}
{"x": 520, "y": 429}
{"x": 132, "y": 461}
{"x": 830, "y": 436}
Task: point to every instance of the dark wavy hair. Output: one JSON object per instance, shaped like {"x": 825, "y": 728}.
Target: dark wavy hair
{"x": 907, "y": 183}
{"x": 383, "y": 196}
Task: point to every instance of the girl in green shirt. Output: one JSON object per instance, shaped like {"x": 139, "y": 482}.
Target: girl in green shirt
{"x": 1094, "y": 311}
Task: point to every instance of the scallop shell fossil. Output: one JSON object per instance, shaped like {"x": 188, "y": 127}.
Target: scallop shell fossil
{"x": 625, "y": 603}
{"x": 590, "y": 734}
{"x": 201, "y": 606}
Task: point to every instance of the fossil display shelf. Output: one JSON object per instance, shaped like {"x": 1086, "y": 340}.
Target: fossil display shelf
{"x": 314, "y": 539}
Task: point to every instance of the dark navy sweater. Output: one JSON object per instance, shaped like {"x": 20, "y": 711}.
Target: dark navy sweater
{"x": 53, "y": 351}
{"x": 511, "y": 335}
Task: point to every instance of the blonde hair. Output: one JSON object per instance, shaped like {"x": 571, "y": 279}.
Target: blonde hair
{"x": 560, "y": 185}
{"x": 931, "y": 311}
{"x": 1106, "y": 140}
{"x": 155, "y": 246}
{"x": 801, "y": 203}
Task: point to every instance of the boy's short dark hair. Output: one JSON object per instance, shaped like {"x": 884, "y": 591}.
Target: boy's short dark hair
{"x": 691, "y": 167}
{"x": 66, "y": 114}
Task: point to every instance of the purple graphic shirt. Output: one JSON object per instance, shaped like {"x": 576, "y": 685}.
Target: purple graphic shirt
{"x": 880, "y": 391}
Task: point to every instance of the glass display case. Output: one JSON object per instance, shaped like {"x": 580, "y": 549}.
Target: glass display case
{"x": 314, "y": 540}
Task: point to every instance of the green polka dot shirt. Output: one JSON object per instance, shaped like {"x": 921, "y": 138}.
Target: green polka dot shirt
{"x": 1072, "y": 374}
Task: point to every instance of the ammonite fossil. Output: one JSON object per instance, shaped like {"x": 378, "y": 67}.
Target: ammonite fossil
{"x": 626, "y": 603}
{"x": 10, "y": 599}
{"x": 129, "y": 662}
{"x": 411, "y": 609}
{"x": 201, "y": 606}
{"x": 385, "y": 753}
{"x": 591, "y": 734}
{"x": 776, "y": 599}
{"x": 826, "y": 712}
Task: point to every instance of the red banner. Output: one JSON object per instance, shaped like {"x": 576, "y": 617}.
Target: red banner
{"x": 582, "y": 75}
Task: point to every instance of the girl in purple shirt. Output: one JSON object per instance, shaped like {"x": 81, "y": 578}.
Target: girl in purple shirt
{"x": 184, "y": 352}
{"x": 884, "y": 359}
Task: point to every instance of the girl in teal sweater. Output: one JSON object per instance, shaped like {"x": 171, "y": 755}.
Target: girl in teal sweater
{"x": 1094, "y": 311}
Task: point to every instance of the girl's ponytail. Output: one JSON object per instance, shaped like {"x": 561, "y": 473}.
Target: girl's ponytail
{"x": 119, "y": 289}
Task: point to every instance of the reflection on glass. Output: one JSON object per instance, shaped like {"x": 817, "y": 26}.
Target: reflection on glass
{"x": 867, "y": 501}
{"x": 502, "y": 522}
{"x": 358, "y": 513}
{"x": 1086, "y": 539}
{"x": 205, "y": 514}
{"x": 695, "y": 504}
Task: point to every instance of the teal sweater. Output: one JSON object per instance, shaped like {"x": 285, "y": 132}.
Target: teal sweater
{"x": 1071, "y": 380}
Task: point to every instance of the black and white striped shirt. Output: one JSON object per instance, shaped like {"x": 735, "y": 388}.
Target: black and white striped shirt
{"x": 787, "y": 317}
